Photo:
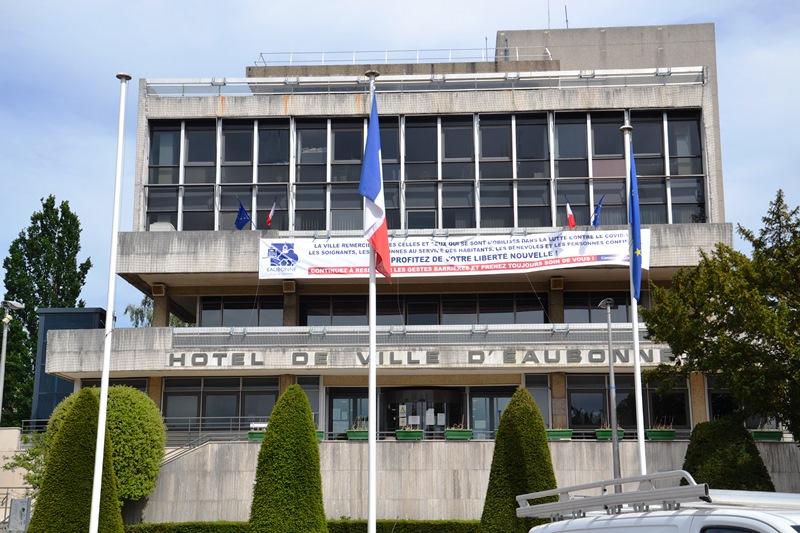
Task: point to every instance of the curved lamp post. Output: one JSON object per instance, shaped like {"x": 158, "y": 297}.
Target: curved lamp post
{"x": 8, "y": 305}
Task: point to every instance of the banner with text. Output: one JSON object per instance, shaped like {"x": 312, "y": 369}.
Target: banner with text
{"x": 340, "y": 257}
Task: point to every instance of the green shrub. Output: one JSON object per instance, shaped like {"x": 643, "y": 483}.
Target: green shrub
{"x": 65, "y": 499}
{"x": 723, "y": 454}
{"x": 288, "y": 492}
{"x": 334, "y": 526}
{"x": 189, "y": 527}
{"x": 137, "y": 434}
{"x": 521, "y": 464}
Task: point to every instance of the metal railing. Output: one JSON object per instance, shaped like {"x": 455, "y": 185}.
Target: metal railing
{"x": 387, "y": 57}
{"x": 407, "y": 83}
{"x": 6, "y": 495}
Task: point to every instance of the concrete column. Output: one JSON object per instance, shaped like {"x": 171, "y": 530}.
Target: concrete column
{"x": 556, "y": 302}
{"x": 155, "y": 385}
{"x": 698, "y": 398}
{"x": 558, "y": 399}
{"x": 291, "y": 314}
{"x": 286, "y": 381}
{"x": 160, "y": 312}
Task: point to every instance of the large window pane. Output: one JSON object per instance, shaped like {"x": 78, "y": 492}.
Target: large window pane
{"x": 420, "y": 139}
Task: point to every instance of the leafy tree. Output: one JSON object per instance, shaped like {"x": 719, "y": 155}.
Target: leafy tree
{"x": 288, "y": 492}
{"x": 136, "y": 431}
{"x": 142, "y": 315}
{"x": 723, "y": 454}
{"x": 42, "y": 270}
{"x": 521, "y": 464}
{"x": 64, "y": 502}
{"x": 737, "y": 317}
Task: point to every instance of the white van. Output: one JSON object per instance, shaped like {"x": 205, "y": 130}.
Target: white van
{"x": 691, "y": 508}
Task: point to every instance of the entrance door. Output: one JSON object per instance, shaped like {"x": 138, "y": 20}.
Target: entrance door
{"x": 430, "y": 409}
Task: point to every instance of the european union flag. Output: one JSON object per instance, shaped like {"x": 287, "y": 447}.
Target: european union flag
{"x": 636, "y": 231}
{"x": 242, "y": 218}
{"x": 596, "y": 215}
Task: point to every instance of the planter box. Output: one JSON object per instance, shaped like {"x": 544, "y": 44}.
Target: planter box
{"x": 357, "y": 434}
{"x": 605, "y": 434}
{"x": 255, "y": 436}
{"x": 767, "y": 434}
{"x": 320, "y": 435}
{"x": 457, "y": 434}
{"x": 408, "y": 434}
{"x": 660, "y": 434}
{"x": 559, "y": 434}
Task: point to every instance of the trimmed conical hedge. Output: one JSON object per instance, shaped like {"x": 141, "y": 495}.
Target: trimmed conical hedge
{"x": 723, "y": 454}
{"x": 65, "y": 499}
{"x": 138, "y": 435}
{"x": 521, "y": 464}
{"x": 288, "y": 492}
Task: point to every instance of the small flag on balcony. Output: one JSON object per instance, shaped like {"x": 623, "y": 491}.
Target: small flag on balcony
{"x": 242, "y": 218}
{"x": 570, "y": 216}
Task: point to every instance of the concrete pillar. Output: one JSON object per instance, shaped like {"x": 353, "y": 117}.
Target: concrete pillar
{"x": 698, "y": 398}
{"x": 160, "y": 312}
{"x": 286, "y": 381}
{"x": 155, "y": 385}
{"x": 558, "y": 399}
{"x": 556, "y": 300}
{"x": 291, "y": 314}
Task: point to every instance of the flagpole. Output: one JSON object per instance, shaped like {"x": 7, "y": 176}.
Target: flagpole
{"x": 94, "y": 520}
{"x": 373, "y": 376}
{"x": 637, "y": 376}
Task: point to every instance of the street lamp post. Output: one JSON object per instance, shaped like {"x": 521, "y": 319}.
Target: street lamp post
{"x": 8, "y": 305}
{"x": 608, "y": 304}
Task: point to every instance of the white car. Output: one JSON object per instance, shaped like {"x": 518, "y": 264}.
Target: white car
{"x": 691, "y": 508}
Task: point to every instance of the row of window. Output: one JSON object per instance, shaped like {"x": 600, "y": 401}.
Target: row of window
{"x": 472, "y": 171}
{"x": 411, "y": 310}
{"x": 232, "y": 403}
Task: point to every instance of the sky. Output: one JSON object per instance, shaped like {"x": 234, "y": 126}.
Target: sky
{"x": 59, "y": 95}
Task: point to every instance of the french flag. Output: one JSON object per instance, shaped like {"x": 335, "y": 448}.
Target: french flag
{"x": 570, "y": 216}
{"x": 371, "y": 188}
{"x": 271, "y": 213}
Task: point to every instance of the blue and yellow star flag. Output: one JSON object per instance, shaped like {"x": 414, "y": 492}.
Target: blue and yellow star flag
{"x": 635, "y": 231}
{"x": 596, "y": 215}
{"x": 242, "y": 218}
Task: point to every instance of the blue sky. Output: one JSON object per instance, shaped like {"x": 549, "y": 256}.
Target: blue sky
{"x": 59, "y": 98}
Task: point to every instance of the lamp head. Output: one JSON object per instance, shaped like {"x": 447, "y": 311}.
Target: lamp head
{"x": 608, "y": 303}
{"x": 11, "y": 305}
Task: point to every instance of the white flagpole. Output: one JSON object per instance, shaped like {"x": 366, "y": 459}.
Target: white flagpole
{"x": 94, "y": 521}
{"x": 637, "y": 370}
{"x": 372, "y": 523}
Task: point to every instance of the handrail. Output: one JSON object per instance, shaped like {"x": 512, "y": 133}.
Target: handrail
{"x": 646, "y": 493}
{"x": 385, "y": 57}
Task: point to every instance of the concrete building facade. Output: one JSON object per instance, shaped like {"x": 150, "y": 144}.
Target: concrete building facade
{"x": 481, "y": 159}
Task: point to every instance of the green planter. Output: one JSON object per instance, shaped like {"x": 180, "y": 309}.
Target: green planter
{"x": 605, "y": 434}
{"x": 559, "y": 434}
{"x": 255, "y": 436}
{"x": 457, "y": 434}
{"x": 408, "y": 434}
{"x": 357, "y": 434}
{"x": 320, "y": 435}
{"x": 660, "y": 434}
{"x": 767, "y": 434}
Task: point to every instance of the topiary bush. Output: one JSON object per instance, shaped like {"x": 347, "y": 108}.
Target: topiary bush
{"x": 723, "y": 454}
{"x": 65, "y": 499}
{"x": 137, "y": 434}
{"x": 521, "y": 464}
{"x": 288, "y": 492}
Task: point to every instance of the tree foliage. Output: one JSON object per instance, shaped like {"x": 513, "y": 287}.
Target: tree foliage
{"x": 288, "y": 492}
{"x": 737, "y": 317}
{"x": 64, "y": 502}
{"x": 41, "y": 271}
{"x": 521, "y": 464}
{"x": 136, "y": 431}
{"x": 142, "y": 315}
{"x": 723, "y": 454}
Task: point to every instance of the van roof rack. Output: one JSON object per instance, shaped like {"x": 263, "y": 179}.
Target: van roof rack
{"x": 612, "y": 497}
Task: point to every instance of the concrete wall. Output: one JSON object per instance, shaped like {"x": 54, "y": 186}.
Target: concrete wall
{"x": 416, "y": 480}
